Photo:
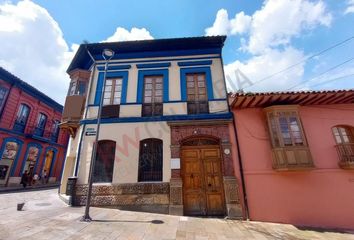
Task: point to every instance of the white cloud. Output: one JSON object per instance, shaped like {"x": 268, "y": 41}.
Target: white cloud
{"x": 280, "y": 20}
{"x": 33, "y": 48}
{"x": 225, "y": 26}
{"x": 121, "y": 34}
{"x": 266, "y": 35}
{"x": 263, "y": 65}
{"x": 350, "y": 7}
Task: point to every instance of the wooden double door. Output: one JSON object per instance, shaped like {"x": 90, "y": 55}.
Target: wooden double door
{"x": 203, "y": 193}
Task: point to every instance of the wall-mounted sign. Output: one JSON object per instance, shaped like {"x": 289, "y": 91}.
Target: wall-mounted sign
{"x": 175, "y": 163}
{"x": 90, "y": 132}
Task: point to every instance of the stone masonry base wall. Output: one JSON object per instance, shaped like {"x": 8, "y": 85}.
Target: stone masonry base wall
{"x": 146, "y": 197}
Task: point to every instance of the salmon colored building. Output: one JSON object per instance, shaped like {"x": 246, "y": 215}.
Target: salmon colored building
{"x": 297, "y": 154}
{"x": 30, "y": 138}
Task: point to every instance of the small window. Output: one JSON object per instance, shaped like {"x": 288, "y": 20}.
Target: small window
{"x": 72, "y": 88}
{"x": 22, "y": 117}
{"x": 150, "y": 160}
{"x": 81, "y": 90}
{"x": 104, "y": 163}
{"x": 197, "y": 98}
{"x": 289, "y": 146}
{"x": 344, "y": 137}
{"x": 3, "y": 94}
{"x": 153, "y": 95}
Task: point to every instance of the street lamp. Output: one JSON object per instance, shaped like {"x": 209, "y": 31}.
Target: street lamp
{"x": 107, "y": 55}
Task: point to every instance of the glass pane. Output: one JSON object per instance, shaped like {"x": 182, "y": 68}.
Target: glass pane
{"x": 158, "y": 99}
{"x": 107, "y": 95}
{"x": 201, "y": 84}
{"x": 117, "y": 94}
{"x": 148, "y": 86}
{"x": 158, "y": 86}
{"x": 190, "y": 91}
{"x": 118, "y": 88}
{"x": 147, "y": 99}
{"x": 148, "y": 80}
{"x": 190, "y": 84}
{"x": 148, "y": 93}
{"x": 202, "y": 91}
{"x": 118, "y": 82}
{"x": 200, "y": 77}
{"x": 158, "y": 79}
{"x": 158, "y": 93}
{"x": 106, "y": 101}
{"x": 191, "y": 97}
{"x": 108, "y": 88}
{"x": 116, "y": 101}
{"x": 108, "y": 82}
{"x": 202, "y": 97}
{"x": 190, "y": 78}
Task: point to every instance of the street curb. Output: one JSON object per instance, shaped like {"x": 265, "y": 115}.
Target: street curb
{"x": 28, "y": 189}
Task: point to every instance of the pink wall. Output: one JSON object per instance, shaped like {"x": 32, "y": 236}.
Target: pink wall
{"x": 322, "y": 197}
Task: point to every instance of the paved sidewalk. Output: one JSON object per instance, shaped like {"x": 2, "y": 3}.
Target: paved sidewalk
{"x": 47, "y": 217}
{"x": 29, "y": 188}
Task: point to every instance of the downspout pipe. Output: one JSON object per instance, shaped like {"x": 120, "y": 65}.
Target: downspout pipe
{"x": 244, "y": 195}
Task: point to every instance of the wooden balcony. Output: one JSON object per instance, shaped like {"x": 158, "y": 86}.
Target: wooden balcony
{"x": 292, "y": 158}
{"x": 72, "y": 114}
{"x": 346, "y": 155}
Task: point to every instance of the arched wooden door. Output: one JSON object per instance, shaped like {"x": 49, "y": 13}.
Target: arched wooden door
{"x": 203, "y": 193}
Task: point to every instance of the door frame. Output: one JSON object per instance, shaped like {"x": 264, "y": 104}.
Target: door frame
{"x": 206, "y": 146}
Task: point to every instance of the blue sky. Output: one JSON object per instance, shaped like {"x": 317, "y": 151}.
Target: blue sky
{"x": 39, "y": 38}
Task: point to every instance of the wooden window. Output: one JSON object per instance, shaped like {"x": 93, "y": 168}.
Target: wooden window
{"x": 104, "y": 164}
{"x": 153, "y": 96}
{"x": 112, "y": 91}
{"x": 22, "y": 117}
{"x": 344, "y": 137}
{"x": 150, "y": 160}
{"x": 289, "y": 146}
{"x": 197, "y": 98}
{"x": 112, "y": 97}
{"x": 72, "y": 88}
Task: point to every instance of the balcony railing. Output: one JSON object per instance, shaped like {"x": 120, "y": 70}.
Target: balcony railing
{"x": 346, "y": 155}
{"x": 34, "y": 131}
{"x": 73, "y": 108}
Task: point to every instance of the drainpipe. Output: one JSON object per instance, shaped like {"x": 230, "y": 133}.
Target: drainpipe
{"x": 241, "y": 168}
{"x": 237, "y": 145}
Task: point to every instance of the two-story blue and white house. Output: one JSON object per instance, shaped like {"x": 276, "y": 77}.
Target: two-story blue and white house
{"x": 165, "y": 143}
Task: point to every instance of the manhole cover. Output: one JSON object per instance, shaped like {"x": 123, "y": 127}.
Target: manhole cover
{"x": 43, "y": 204}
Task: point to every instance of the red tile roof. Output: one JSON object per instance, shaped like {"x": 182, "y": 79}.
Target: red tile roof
{"x": 260, "y": 99}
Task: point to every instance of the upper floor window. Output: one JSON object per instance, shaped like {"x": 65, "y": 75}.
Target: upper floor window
{"x": 77, "y": 88}
{"x": 197, "y": 99}
{"x": 344, "y": 136}
{"x": 3, "y": 94}
{"x": 290, "y": 148}
{"x": 22, "y": 117}
{"x": 41, "y": 122}
{"x": 150, "y": 160}
{"x": 112, "y": 97}
{"x": 55, "y": 130}
{"x": 153, "y": 94}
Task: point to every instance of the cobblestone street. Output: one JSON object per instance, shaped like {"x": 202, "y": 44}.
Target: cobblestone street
{"x": 45, "y": 216}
